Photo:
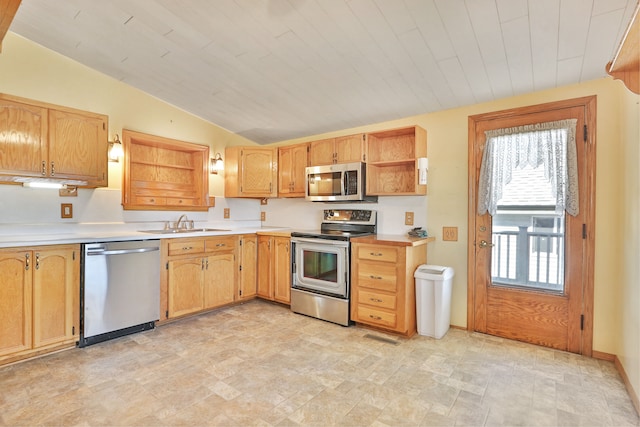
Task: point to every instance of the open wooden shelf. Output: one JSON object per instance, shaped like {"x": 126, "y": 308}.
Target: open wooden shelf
{"x": 164, "y": 174}
{"x": 392, "y": 165}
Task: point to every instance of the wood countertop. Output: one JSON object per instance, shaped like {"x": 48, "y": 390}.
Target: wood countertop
{"x": 393, "y": 240}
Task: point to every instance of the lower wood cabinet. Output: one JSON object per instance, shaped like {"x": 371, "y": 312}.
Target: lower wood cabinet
{"x": 248, "y": 266}
{"x": 382, "y": 283}
{"x": 201, "y": 273}
{"x": 39, "y": 300}
{"x": 274, "y": 268}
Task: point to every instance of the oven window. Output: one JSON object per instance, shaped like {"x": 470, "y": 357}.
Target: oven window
{"x": 325, "y": 184}
{"x": 320, "y": 265}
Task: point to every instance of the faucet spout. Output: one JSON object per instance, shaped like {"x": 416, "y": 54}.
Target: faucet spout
{"x": 179, "y": 221}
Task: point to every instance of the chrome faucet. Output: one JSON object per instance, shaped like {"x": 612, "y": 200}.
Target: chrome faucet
{"x": 182, "y": 217}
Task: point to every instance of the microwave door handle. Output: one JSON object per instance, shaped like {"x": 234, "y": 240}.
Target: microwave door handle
{"x": 343, "y": 182}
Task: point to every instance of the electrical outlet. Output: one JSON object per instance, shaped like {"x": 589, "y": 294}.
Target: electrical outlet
{"x": 450, "y": 234}
{"x": 66, "y": 210}
{"x": 227, "y": 214}
{"x": 263, "y": 216}
{"x": 408, "y": 218}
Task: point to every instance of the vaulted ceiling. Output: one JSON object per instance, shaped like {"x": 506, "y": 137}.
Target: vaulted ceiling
{"x": 272, "y": 70}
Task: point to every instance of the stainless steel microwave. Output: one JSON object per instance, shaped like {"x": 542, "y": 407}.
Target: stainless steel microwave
{"x": 343, "y": 182}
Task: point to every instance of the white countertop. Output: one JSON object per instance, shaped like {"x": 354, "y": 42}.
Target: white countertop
{"x": 42, "y": 235}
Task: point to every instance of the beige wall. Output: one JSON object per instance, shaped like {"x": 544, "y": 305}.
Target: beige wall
{"x": 628, "y": 302}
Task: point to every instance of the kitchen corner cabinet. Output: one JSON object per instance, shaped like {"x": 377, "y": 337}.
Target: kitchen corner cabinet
{"x": 40, "y": 140}
{"x": 248, "y": 268}
{"x": 344, "y": 149}
{"x": 292, "y": 161}
{"x": 392, "y": 161}
{"x": 382, "y": 282}
{"x": 251, "y": 172}
{"x": 274, "y": 268}
{"x": 164, "y": 174}
{"x": 39, "y": 300}
{"x": 200, "y": 274}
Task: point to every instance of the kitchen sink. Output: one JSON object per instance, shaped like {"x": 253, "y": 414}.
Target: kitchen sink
{"x": 182, "y": 230}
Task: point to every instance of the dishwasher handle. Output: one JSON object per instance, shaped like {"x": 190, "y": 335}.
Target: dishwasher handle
{"x": 102, "y": 251}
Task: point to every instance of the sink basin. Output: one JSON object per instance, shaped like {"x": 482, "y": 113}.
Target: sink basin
{"x": 183, "y": 230}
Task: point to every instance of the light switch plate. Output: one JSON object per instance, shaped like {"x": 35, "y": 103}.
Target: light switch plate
{"x": 408, "y": 218}
{"x": 450, "y": 234}
{"x": 227, "y": 214}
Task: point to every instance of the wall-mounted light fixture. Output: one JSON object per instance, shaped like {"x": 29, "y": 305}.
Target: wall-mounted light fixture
{"x": 115, "y": 149}
{"x": 216, "y": 164}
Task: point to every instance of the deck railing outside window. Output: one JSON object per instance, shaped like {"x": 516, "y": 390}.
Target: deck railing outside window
{"x": 526, "y": 254}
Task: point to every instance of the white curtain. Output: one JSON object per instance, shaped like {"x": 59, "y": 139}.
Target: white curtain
{"x": 551, "y": 145}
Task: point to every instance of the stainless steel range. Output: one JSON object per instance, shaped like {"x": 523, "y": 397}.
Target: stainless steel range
{"x": 320, "y": 270}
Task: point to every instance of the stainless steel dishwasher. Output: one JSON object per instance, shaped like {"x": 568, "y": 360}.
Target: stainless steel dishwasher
{"x": 120, "y": 289}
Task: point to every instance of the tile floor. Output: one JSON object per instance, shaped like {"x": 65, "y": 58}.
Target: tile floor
{"x": 260, "y": 364}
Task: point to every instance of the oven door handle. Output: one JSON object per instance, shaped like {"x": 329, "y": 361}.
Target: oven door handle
{"x": 318, "y": 241}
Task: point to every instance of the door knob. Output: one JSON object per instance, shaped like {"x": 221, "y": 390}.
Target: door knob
{"x": 484, "y": 244}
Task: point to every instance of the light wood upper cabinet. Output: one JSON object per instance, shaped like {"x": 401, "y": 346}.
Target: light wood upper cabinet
{"x": 23, "y": 139}
{"x": 40, "y": 140}
{"x": 292, "y": 162}
{"x": 164, "y": 174}
{"x": 392, "y": 161}
{"x": 78, "y": 147}
{"x": 39, "y": 300}
{"x": 344, "y": 149}
{"x": 251, "y": 172}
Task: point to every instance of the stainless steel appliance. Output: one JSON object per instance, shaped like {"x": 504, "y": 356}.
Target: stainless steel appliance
{"x": 120, "y": 289}
{"x": 337, "y": 183}
{"x": 320, "y": 264}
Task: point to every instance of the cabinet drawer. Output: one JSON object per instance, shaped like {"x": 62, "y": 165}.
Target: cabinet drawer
{"x": 175, "y": 201}
{"x": 378, "y": 253}
{"x": 376, "y": 317}
{"x": 376, "y": 299}
{"x": 218, "y": 244}
{"x": 377, "y": 276}
{"x": 186, "y": 246}
{"x": 149, "y": 200}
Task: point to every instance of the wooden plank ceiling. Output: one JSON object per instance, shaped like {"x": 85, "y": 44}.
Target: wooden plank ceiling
{"x": 273, "y": 70}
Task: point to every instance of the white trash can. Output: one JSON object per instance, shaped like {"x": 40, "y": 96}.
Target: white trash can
{"x": 433, "y": 299}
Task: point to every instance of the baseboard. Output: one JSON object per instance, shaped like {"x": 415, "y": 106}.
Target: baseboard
{"x": 632, "y": 393}
{"x": 603, "y": 356}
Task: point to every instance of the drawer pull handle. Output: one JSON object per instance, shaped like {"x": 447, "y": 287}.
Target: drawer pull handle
{"x": 218, "y": 245}
{"x": 375, "y": 317}
{"x": 375, "y": 299}
{"x": 187, "y": 248}
{"x": 375, "y": 254}
{"x": 375, "y": 277}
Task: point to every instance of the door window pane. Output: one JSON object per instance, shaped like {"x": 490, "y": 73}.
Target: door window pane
{"x": 320, "y": 265}
{"x": 528, "y": 235}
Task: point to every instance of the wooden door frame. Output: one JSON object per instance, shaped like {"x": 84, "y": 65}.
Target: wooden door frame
{"x": 589, "y": 103}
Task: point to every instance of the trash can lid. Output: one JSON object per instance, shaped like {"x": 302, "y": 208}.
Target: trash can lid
{"x": 438, "y": 272}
